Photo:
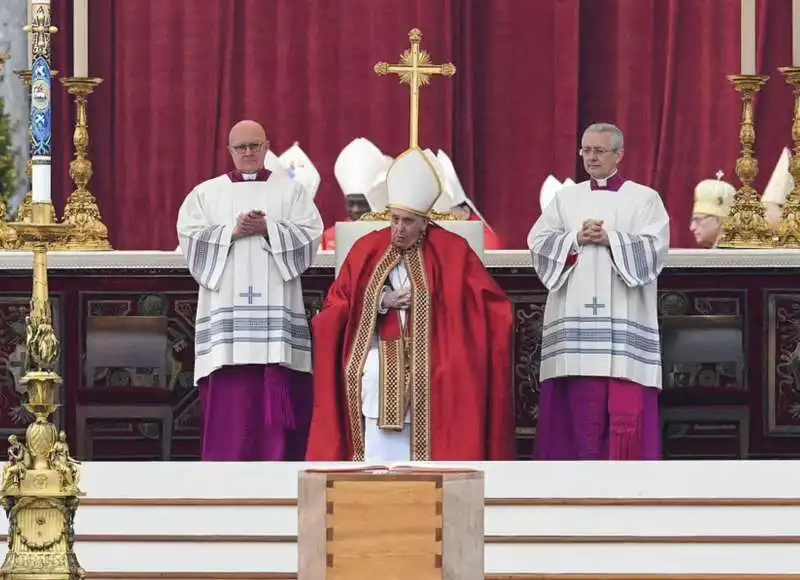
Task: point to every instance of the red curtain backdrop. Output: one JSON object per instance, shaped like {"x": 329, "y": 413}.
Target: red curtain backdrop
{"x": 531, "y": 75}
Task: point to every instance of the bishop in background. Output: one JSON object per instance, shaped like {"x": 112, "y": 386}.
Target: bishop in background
{"x": 598, "y": 248}
{"x": 412, "y": 349}
{"x": 247, "y": 236}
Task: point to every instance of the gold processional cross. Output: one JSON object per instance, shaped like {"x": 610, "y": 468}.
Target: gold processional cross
{"x": 415, "y": 69}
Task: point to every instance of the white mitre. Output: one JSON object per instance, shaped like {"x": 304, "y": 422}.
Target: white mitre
{"x": 414, "y": 182}
{"x": 453, "y": 194}
{"x": 780, "y": 183}
{"x": 452, "y": 184}
{"x": 357, "y": 166}
{"x": 300, "y": 167}
{"x": 568, "y": 182}
{"x": 550, "y": 188}
{"x": 378, "y": 195}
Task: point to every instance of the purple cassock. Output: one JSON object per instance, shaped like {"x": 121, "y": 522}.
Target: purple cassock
{"x": 255, "y": 412}
{"x": 597, "y": 418}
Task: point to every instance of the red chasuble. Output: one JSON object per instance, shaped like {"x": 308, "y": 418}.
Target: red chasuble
{"x": 458, "y": 352}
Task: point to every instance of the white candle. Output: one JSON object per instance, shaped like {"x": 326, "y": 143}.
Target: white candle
{"x": 29, "y": 36}
{"x": 80, "y": 37}
{"x": 795, "y": 32}
{"x": 748, "y": 37}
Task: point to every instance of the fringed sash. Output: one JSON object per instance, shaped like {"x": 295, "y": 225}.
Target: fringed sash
{"x": 626, "y": 415}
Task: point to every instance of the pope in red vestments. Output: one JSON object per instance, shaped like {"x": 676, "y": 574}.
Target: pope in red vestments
{"x": 412, "y": 350}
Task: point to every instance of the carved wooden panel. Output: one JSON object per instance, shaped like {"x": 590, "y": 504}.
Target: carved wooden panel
{"x": 783, "y": 363}
{"x": 528, "y": 319}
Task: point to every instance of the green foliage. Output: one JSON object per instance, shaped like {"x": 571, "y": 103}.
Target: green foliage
{"x": 9, "y": 180}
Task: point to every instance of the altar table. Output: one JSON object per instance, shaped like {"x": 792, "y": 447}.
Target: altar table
{"x": 730, "y": 322}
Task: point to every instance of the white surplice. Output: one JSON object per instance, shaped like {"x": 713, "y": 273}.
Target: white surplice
{"x": 250, "y": 304}
{"x": 381, "y": 445}
{"x": 601, "y": 315}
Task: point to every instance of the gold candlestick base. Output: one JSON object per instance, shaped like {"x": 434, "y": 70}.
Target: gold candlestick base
{"x": 746, "y": 226}
{"x": 89, "y": 233}
{"x": 789, "y": 229}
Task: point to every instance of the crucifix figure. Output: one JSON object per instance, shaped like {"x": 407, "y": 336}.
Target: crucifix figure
{"x": 250, "y": 295}
{"x": 594, "y": 306}
{"x": 415, "y": 69}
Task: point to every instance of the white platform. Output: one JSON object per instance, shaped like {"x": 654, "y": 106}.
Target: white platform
{"x": 153, "y": 260}
{"x": 217, "y": 520}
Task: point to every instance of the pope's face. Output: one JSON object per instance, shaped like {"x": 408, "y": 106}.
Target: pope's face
{"x": 407, "y": 228}
{"x": 599, "y": 159}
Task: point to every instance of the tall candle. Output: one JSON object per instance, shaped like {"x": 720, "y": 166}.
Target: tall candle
{"x": 80, "y": 37}
{"x": 29, "y": 36}
{"x": 795, "y": 32}
{"x": 41, "y": 114}
{"x": 748, "y": 37}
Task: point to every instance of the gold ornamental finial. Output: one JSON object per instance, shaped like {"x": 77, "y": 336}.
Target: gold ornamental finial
{"x": 415, "y": 69}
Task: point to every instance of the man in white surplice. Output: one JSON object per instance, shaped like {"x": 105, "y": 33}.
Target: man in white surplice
{"x": 248, "y": 236}
{"x": 598, "y": 248}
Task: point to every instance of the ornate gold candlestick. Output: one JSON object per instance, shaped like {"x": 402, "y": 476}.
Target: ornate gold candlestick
{"x": 746, "y": 226}
{"x": 40, "y": 481}
{"x": 40, "y": 492}
{"x": 24, "y": 213}
{"x": 81, "y": 211}
{"x": 789, "y": 229}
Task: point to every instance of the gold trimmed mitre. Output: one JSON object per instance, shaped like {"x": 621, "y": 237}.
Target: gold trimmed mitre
{"x": 713, "y": 197}
{"x": 414, "y": 182}
{"x": 357, "y": 166}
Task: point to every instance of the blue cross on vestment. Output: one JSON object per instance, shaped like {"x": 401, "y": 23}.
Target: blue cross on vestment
{"x": 594, "y": 306}
{"x": 250, "y": 295}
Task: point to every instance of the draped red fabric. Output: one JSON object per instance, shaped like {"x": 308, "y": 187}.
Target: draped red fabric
{"x": 531, "y": 76}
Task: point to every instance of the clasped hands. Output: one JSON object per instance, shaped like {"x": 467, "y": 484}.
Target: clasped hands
{"x": 252, "y": 223}
{"x": 399, "y": 299}
{"x": 593, "y": 233}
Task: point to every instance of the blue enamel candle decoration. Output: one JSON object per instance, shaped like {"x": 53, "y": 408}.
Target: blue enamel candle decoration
{"x": 39, "y": 31}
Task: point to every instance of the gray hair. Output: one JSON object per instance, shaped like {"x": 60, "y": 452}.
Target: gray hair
{"x": 617, "y": 140}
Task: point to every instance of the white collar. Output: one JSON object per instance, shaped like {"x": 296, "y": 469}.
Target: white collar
{"x": 249, "y": 176}
{"x": 604, "y": 182}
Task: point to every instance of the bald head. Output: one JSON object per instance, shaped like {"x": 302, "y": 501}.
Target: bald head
{"x": 248, "y": 145}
